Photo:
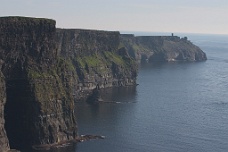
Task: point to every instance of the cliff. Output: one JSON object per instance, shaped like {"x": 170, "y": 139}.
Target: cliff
{"x": 98, "y": 60}
{"x": 39, "y": 108}
{"x": 161, "y": 48}
{"x": 44, "y": 70}
{"x": 3, "y": 137}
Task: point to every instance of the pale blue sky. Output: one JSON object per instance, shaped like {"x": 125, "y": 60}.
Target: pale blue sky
{"x": 191, "y": 16}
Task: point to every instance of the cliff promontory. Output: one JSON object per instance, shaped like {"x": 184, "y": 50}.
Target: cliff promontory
{"x": 44, "y": 70}
{"x": 161, "y": 48}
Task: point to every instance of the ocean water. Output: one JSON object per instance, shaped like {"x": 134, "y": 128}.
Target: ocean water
{"x": 176, "y": 107}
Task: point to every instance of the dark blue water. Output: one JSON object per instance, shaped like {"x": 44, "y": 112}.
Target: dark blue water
{"x": 176, "y": 107}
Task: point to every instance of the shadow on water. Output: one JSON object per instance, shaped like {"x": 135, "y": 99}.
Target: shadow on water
{"x": 157, "y": 66}
{"x": 110, "y": 97}
{"x": 119, "y": 94}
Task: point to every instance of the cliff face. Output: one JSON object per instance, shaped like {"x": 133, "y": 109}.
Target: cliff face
{"x": 98, "y": 60}
{"x": 45, "y": 70}
{"x": 39, "y": 108}
{"x": 162, "y": 48}
{"x": 3, "y": 137}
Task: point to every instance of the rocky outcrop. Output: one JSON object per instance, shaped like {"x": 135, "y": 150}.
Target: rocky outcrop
{"x": 162, "y": 48}
{"x": 45, "y": 70}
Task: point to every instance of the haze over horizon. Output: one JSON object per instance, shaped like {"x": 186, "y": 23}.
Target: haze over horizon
{"x": 178, "y": 16}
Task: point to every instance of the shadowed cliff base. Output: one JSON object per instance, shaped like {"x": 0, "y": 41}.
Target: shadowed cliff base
{"x": 18, "y": 113}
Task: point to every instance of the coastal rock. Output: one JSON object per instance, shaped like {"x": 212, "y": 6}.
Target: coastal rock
{"x": 162, "y": 48}
{"x": 80, "y": 138}
{"x": 45, "y": 70}
{"x": 94, "y": 97}
{"x": 3, "y": 137}
{"x": 98, "y": 60}
{"x": 39, "y": 108}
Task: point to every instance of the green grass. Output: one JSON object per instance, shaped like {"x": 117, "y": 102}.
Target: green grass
{"x": 33, "y": 74}
{"x": 91, "y": 61}
{"x": 111, "y": 56}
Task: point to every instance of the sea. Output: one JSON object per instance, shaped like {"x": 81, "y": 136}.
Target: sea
{"x": 176, "y": 107}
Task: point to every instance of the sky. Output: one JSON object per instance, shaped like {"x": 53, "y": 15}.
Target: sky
{"x": 182, "y": 16}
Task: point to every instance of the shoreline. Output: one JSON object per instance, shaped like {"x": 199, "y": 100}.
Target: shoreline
{"x": 78, "y": 139}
